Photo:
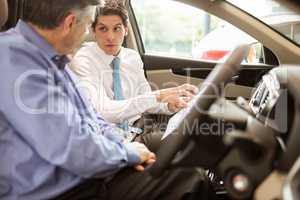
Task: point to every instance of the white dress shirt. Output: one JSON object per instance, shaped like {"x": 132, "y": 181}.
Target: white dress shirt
{"x": 93, "y": 66}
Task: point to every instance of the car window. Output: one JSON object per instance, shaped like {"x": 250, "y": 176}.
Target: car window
{"x": 171, "y": 28}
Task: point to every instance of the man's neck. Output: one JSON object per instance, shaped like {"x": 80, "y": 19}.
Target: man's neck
{"x": 49, "y": 36}
{"x": 118, "y": 54}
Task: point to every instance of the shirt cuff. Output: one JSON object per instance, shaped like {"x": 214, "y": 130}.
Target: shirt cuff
{"x": 113, "y": 133}
{"x": 132, "y": 155}
{"x": 148, "y": 100}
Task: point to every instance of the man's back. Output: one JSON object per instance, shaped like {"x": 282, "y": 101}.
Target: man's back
{"x": 48, "y": 134}
{"x": 16, "y": 151}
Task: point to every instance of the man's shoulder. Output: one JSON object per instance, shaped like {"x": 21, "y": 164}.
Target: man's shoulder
{"x": 130, "y": 53}
{"x": 87, "y": 49}
{"x": 19, "y": 60}
{"x": 13, "y": 43}
{"x": 18, "y": 54}
{"x": 10, "y": 38}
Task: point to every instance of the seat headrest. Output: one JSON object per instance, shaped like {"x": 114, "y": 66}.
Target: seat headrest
{"x": 3, "y": 12}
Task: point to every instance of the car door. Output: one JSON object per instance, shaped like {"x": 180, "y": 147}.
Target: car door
{"x": 167, "y": 34}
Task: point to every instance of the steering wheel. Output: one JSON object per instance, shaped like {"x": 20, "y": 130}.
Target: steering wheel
{"x": 174, "y": 142}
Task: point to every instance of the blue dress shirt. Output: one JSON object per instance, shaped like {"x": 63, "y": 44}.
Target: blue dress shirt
{"x": 50, "y": 138}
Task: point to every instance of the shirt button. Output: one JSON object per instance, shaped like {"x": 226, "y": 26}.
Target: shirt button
{"x": 56, "y": 58}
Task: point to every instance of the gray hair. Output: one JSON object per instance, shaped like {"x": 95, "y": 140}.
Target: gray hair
{"x": 49, "y": 14}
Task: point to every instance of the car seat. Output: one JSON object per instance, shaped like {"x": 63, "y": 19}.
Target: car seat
{"x": 3, "y": 13}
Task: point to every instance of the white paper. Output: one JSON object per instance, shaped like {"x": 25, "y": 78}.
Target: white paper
{"x": 175, "y": 121}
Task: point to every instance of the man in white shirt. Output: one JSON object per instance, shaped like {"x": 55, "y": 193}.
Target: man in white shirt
{"x": 94, "y": 64}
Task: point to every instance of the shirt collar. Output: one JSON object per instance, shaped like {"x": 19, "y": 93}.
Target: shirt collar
{"x": 120, "y": 55}
{"x": 109, "y": 58}
{"x": 33, "y": 37}
{"x": 60, "y": 61}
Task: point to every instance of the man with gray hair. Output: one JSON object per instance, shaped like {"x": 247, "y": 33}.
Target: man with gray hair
{"x": 52, "y": 143}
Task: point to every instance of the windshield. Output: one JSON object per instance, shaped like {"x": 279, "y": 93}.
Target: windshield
{"x": 274, "y": 14}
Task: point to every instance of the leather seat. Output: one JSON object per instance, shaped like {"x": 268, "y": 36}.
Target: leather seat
{"x": 3, "y": 13}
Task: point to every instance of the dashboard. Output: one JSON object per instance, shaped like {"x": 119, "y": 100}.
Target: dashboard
{"x": 269, "y": 103}
{"x": 265, "y": 96}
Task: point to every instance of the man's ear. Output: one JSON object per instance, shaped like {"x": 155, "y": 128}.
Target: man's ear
{"x": 93, "y": 32}
{"x": 69, "y": 23}
{"x": 126, "y": 31}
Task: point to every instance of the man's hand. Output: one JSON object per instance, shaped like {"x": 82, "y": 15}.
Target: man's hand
{"x": 146, "y": 156}
{"x": 177, "y": 97}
